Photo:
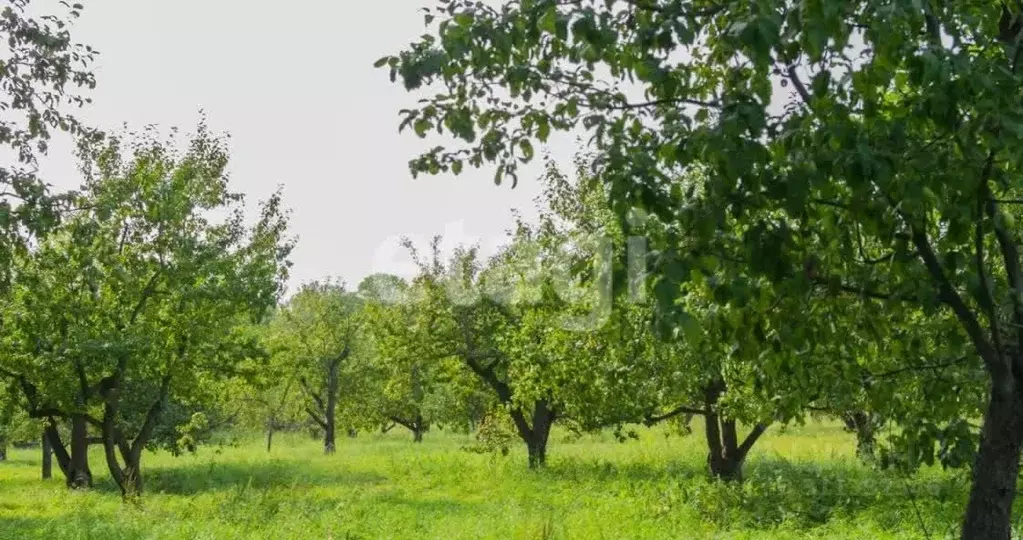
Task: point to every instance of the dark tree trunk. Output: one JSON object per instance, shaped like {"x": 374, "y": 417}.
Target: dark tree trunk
{"x": 47, "y": 457}
{"x": 726, "y": 454}
{"x": 989, "y": 510}
{"x": 269, "y": 437}
{"x": 132, "y": 483}
{"x": 417, "y": 426}
{"x": 863, "y": 425}
{"x": 535, "y": 433}
{"x": 57, "y": 446}
{"x": 78, "y": 474}
{"x": 329, "y": 442}
{"x": 129, "y": 476}
{"x": 330, "y": 408}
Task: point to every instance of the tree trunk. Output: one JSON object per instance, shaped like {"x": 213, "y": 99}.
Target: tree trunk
{"x": 47, "y": 457}
{"x": 535, "y": 433}
{"x": 3, "y": 449}
{"x": 724, "y": 459}
{"x": 269, "y": 436}
{"x": 131, "y": 486}
{"x": 57, "y": 446}
{"x": 129, "y": 477}
{"x": 726, "y": 455}
{"x": 419, "y": 428}
{"x": 329, "y": 445}
{"x": 78, "y": 474}
{"x": 862, "y": 424}
{"x": 989, "y": 510}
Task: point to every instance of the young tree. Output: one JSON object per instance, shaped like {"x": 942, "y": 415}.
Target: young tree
{"x": 317, "y": 334}
{"x": 863, "y": 147}
{"x": 270, "y": 394}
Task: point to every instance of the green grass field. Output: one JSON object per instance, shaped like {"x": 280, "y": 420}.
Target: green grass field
{"x": 803, "y": 483}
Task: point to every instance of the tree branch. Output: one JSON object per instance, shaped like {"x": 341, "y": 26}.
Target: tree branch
{"x": 947, "y": 293}
{"x": 152, "y": 415}
{"x": 651, "y": 419}
{"x": 751, "y": 439}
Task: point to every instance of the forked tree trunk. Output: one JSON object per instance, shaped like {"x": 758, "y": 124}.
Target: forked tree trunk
{"x": 863, "y": 425}
{"x": 726, "y": 454}
{"x": 996, "y": 469}
{"x": 535, "y": 433}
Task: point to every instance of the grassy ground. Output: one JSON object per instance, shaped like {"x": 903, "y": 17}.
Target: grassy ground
{"x": 803, "y": 483}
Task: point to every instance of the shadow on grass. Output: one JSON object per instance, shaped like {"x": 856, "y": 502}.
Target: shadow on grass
{"x": 778, "y": 492}
{"x": 34, "y": 527}
{"x": 191, "y": 479}
{"x": 427, "y": 505}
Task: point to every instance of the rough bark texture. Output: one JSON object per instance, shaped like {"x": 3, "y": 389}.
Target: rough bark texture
{"x": 78, "y": 474}
{"x": 57, "y": 446}
{"x": 47, "y": 457}
{"x": 726, "y": 454}
{"x": 863, "y": 424}
{"x": 989, "y": 510}
{"x": 536, "y": 431}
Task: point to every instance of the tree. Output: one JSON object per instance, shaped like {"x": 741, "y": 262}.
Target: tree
{"x": 418, "y": 386}
{"x": 136, "y": 305}
{"x": 317, "y": 332}
{"x": 884, "y": 170}
{"x": 269, "y": 392}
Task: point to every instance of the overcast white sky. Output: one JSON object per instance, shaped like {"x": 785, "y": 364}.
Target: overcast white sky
{"x": 293, "y": 84}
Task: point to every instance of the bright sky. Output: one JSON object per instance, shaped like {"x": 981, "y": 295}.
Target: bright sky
{"x": 293, "y": 85}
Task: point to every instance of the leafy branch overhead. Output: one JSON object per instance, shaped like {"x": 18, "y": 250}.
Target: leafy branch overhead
{"x": 851, "y": 149}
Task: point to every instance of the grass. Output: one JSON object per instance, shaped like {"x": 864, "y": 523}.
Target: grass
{"x": 801, "y": 483}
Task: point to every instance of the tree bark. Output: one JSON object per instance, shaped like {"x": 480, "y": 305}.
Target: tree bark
{"x": 862, "y": 424}
{"x": 535, "y": 433}
{"x": 726, "y": 455}
{"x": 78, "y": 474}
{"x": 57, "y": 446}
{"x": 329, "y": 444}
{"x": 269, "y": 437}
{"x": 47, "y": 457}
{"x": 417, "y": 426}
{"x": 996, "y": 469}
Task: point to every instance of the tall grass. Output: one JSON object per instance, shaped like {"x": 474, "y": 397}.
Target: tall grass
{"x": 800, "y": 483}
